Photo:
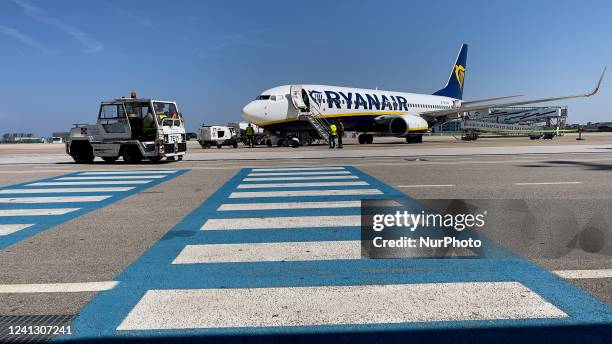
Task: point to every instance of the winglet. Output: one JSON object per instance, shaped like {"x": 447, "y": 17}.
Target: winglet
{"x": 598, "y": 82}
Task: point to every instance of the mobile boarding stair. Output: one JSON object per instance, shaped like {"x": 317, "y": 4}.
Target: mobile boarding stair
{"x": 309, "y": 113}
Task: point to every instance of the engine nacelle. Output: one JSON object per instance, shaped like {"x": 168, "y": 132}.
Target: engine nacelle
{"x": 403, "y": 125}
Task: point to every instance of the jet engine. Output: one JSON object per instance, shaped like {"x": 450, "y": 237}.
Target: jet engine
{"x": 403, "y": 125}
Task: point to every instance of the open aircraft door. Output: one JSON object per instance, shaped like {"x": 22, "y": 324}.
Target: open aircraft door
{"x": 299, "y": 97}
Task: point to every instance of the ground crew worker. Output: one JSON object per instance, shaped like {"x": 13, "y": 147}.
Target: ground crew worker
{"x": 148, "y": 125}
{"x": 340, "y": 133}
{"x": 250, "y": 135}
{"x": 162, "y": 116}
{"x": 333, "y": 131}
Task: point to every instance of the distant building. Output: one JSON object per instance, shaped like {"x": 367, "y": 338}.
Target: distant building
{"x": 21, "y": 138}
{"x": 592, "y": 126}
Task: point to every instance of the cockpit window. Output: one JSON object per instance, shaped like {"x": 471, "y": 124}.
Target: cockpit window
{"x": 263, "y": 97}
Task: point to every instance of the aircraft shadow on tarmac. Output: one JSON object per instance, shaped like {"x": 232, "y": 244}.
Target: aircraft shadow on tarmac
{"x": 588, "y": 165}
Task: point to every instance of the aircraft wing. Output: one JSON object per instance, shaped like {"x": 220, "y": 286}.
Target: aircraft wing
{"x": 457, "y": 111}
{"x": 475, "y": 101}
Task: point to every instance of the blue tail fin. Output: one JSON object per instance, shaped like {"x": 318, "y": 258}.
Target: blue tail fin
{"x": 454, "y": 86}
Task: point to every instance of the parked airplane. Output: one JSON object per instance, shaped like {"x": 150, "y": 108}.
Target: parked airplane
{"x": 291, "y": 109}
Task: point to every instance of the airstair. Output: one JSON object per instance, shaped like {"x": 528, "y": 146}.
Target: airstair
{"x": 309, "y": 112}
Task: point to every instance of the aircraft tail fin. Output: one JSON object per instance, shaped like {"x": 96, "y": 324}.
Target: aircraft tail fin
{"x": 454, "y": 86}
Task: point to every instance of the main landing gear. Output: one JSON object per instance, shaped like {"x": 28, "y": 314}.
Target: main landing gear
{"x": 414, "y": 139}
{"x": 365, "y": 139}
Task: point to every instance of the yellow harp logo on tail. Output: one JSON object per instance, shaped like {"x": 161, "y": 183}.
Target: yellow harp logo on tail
{"x": 460, "y": 74}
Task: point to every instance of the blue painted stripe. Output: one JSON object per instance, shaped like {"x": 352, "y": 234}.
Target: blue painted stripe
{"x": 42, "y": 223}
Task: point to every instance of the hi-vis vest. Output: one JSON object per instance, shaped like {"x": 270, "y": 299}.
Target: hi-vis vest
{"x": 249, "y": 131}
{"x": 332, "y": 129}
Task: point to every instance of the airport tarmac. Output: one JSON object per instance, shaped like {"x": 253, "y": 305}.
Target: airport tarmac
{"x": 136, "y": 261}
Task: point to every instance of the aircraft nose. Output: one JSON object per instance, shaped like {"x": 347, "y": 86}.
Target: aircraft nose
{"x": 249, "y": 112}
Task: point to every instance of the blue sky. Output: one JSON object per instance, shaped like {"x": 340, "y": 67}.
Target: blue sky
{"x": 60, "y": 58}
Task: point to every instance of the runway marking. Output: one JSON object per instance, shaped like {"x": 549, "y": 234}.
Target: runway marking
{"x": 269, "y": 252}
{"x": 65, "y": 197}
{"x": 282, "y": 222}
{"x": 101, "y": 182}
{"x": 336, "y": 305}
{"x": 584, "y": 274}
{"x": 548, "y": 183}
{"x": 426, "y": 186}
{"x": 54, "y": 199}
{"x": 301, "y": 193}
{"x": 288, "y": 205}
{"x": 66, "y": 190}
{"x": 6, "y": 229}
{"x": 297, "y": 173}
{"x": 298, "y": 169}
{"x": 157, "y": 176}
{"x": 263, "y": 179}
{"x": 299, "y": 185}
{"x": 127, "y": 172}
{"x": 57, "y": 287}
{"x": 36, "y": 212}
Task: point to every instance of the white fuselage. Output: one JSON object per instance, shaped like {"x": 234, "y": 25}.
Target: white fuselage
{"x": 275, "y": 107}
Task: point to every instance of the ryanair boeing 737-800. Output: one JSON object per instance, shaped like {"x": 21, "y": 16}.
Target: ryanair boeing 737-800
{"x": 290, "y": 109}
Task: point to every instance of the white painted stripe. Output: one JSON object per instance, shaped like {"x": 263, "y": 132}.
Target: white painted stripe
{"x": 549, "y": 183}
{"x": 297, "y": 169}
{"x": 289, "y": 205}
{"x": 36, "y": 212}
{"x": 12, "y": 228}
{"x": 584, "y": 274}
{"x": 102, "y": 182}
{"x": 269, "y": 252}
{"x": 271, "y": 174}
{"x": 157, "y": 176}
{"x": 65, "y": 190}
{"x": 300, "y": 193}
{"x": 264, "y": 179}
{"x": 282, "y": 222}
{"x": 126, "y": 172}
{"x": 299, "y": 185}
{"x": 426, "y": 185}
{"x": 56, "y": 287}
{"x": 336, "y": 305}
{"x": 57, "y": 199}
